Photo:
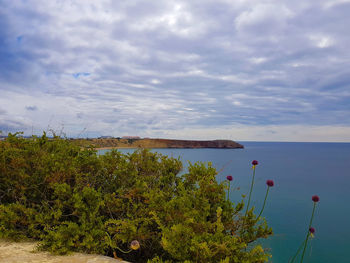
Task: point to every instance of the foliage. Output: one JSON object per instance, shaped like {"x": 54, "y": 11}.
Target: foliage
{"x": 72, "y": 199}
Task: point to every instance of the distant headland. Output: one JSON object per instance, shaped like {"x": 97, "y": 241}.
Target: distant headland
{"x": 107, "y": 142}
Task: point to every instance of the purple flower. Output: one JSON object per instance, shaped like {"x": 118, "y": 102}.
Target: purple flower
{"x": 255, "y": 162}
{"x": 312, "y": 230}
{"x": 269, "y": 183}
{"x": 315, "y": 198}
{"x": 229, "y": 177}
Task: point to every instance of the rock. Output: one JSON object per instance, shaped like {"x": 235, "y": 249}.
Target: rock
{"x": 25, "y": 252}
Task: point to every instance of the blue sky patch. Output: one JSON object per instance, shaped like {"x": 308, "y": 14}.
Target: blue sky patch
{"x": 77, "y": 75}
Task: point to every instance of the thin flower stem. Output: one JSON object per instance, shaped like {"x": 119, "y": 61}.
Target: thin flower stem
{"x": 308, "y": 234}
{"x": 114, "y": 246}
{"x": 301, "y": 246}
{"x": 125, "y": 252}
{"x": 267, "y": 192}
{"x": 228, "y": 191}
{"x": 250, "y": 193}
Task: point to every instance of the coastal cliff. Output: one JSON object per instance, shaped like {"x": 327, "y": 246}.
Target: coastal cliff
{"x": 157, "y": 143}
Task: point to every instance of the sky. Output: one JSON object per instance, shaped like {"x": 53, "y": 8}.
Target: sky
{"x": 243, "y": 70}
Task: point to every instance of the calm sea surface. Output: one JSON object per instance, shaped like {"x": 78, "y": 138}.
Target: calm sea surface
{"x": 299, "y": 171}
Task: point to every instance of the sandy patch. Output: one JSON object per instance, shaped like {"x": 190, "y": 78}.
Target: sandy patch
{"x": 24, "y": 252}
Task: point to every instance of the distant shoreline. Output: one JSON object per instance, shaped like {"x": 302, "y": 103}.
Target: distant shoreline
{"x": 114, "y": 147}
{"x": 120, "y": 143}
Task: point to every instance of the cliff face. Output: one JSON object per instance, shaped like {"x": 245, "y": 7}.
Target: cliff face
{"x": 167, "y": 143}
{"x": 159, "y": 143}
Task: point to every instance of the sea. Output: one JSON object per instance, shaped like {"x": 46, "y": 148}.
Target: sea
{"x": 299, "y": 171}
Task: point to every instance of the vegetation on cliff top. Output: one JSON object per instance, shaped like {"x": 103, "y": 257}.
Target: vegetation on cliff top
{"x": 72, "y": 199}
{"x": 155, "y": 143}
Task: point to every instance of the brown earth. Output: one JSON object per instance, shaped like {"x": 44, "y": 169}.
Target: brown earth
{"x": 25, "y": 252}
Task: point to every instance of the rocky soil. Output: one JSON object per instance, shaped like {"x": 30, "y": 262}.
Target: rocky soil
{"x": 24, "y": 252}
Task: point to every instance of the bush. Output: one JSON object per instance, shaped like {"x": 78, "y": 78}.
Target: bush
{"x": 72, "y": 199}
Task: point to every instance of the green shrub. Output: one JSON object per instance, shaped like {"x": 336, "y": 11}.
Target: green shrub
{"x": 72, "y": 199}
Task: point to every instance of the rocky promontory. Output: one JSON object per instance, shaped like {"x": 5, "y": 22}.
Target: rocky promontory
{"x": 157, "y": 143}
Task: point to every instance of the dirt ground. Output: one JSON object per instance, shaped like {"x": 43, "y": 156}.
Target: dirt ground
{"x": 24, "y": 252}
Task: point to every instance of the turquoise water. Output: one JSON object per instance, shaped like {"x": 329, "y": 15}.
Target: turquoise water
{"x": 299, "y": 171}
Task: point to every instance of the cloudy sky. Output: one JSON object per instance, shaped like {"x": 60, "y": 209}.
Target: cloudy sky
{"x": 272, "y": 70}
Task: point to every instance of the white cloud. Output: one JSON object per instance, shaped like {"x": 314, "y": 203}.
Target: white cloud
{"x": 332, "y": 3}
{"x": 156, "y": 81}
{"x": 271, "y": 13}
{"x": 176, "y": 19}
{"x": 258, "y": 60}
{"x": 322, "y": 41}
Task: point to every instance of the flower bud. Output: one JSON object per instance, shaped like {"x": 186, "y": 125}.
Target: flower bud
{"x": 269, "y": 183}
{"x": 312, "y": 230}
{"x": 315, "y": 198}
{"x": 255, "y": 162}
{"x": 134, "y": 245}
